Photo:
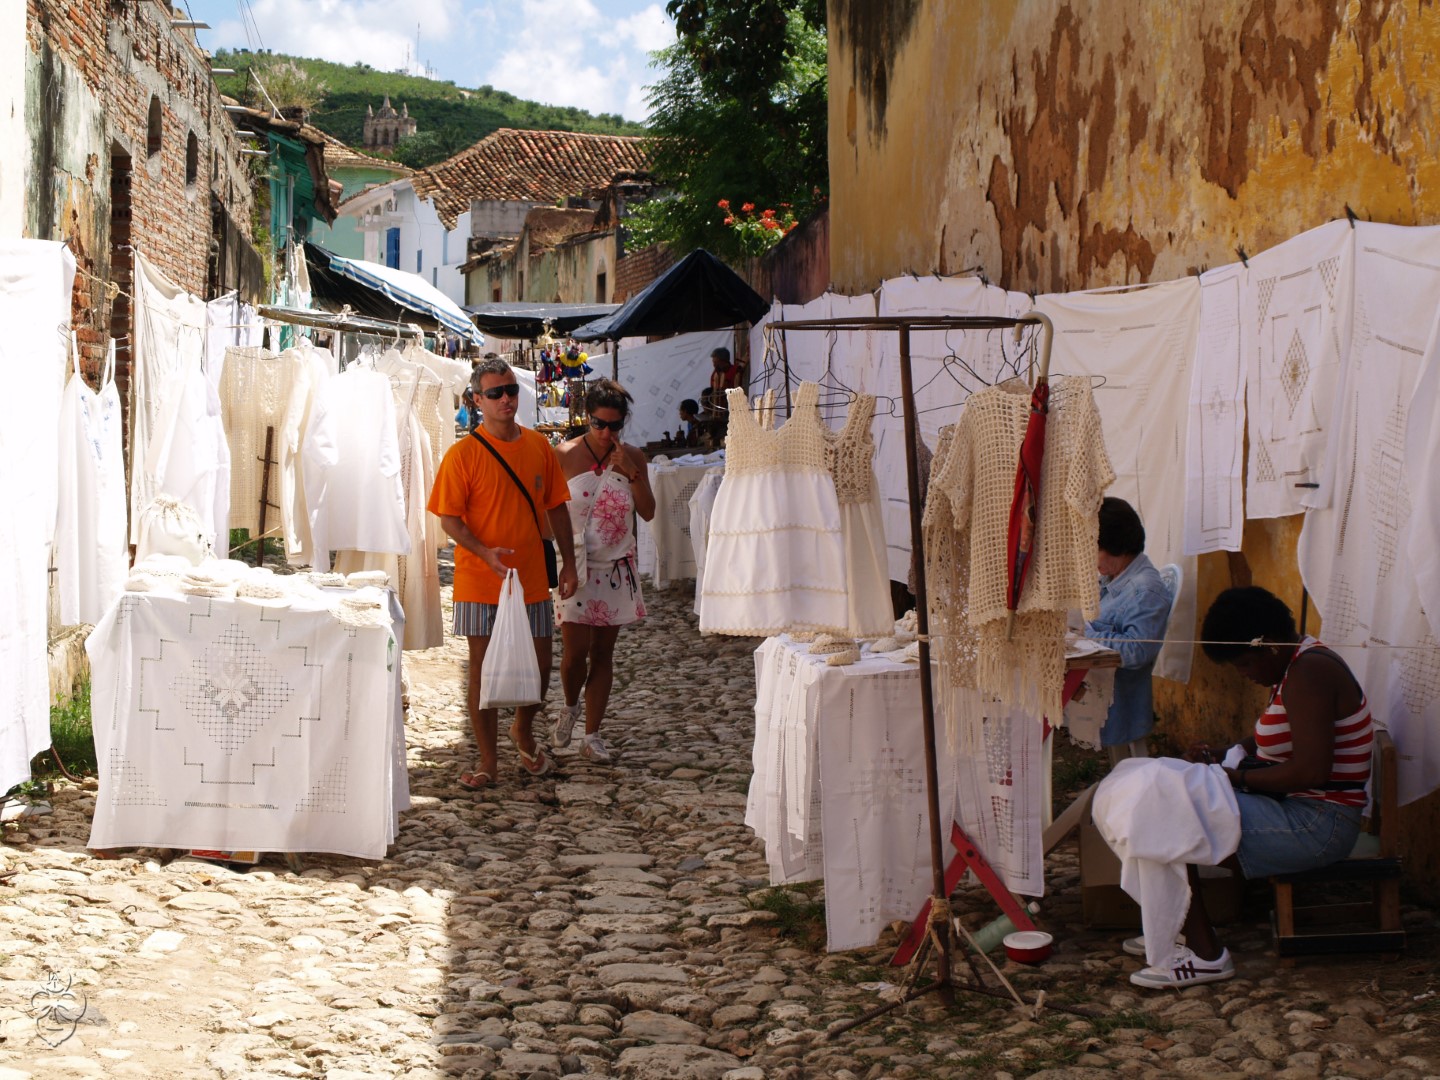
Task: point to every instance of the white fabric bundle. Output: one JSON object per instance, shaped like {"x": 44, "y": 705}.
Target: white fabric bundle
{"x": 1158, "y": 815}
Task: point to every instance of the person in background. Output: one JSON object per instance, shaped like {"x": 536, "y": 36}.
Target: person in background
{"x": 609, "y": 484}
{"x": 489, "y": 493}
{"x": 725, "y": 375}
{"x": 1134, "y": 608}
{"x": 1300, "y": 780}
{"x": 689, "y": 421}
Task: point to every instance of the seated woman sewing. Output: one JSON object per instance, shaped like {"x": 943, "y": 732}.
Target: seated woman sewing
{"x": 1301, "y": 784}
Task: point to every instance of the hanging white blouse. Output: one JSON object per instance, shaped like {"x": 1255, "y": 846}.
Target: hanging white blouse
{"x": 92, "y": 556}
{"x": 351, "y": 464}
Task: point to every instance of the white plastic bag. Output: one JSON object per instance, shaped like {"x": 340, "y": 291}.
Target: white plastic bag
{"x": 510, "y": 674}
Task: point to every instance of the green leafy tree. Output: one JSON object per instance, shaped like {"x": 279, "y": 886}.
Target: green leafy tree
{"x": 739, "y": 114}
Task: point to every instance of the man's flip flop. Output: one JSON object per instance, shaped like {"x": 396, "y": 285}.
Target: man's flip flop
{"x": 539, "y": 765}
{"x": 476, "y": 781}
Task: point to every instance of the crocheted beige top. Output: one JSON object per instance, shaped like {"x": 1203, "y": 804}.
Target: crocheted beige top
{"x": 851, "y": 454}
{"x": 798, "y": 444}
{"x": 966, "y": 522}
{"x": 978, "y": 478}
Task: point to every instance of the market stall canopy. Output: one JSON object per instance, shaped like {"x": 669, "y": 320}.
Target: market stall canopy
{"x": 404, "y": 290}
{"x": 698, "y": 293}
{"x": 528, "y": 321}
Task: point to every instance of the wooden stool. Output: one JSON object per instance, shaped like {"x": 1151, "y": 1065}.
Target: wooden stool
{"x": 1308, "y": 930}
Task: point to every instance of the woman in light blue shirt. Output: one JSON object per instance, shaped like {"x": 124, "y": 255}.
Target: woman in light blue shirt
{"x": 1134, "y": 608}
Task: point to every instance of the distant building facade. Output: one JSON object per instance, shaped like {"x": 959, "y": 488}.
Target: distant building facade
{"x": 384, "y": 129}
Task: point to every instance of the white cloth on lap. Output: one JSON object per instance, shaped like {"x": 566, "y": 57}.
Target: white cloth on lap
{"x": 1157, "y": 815}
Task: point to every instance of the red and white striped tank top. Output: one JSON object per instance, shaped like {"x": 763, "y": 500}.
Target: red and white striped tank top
{"x": 1353, "y": 736}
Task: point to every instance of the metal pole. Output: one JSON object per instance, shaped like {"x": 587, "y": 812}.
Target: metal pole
{"x": 785, "y": 363}
{"x": 615, "y": 362}
{"x": 927, "y": 690}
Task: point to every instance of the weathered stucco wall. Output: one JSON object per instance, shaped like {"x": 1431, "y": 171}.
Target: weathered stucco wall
{"x": 1061, "y": 146}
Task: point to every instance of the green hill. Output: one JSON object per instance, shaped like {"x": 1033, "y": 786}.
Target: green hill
{"x": 449, "y": 118}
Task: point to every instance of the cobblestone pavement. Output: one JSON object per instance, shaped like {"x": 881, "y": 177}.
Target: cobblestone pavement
{"x": 610, "y": 921}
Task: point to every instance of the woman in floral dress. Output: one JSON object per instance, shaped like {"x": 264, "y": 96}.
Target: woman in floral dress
{"x": 609, "y": 484}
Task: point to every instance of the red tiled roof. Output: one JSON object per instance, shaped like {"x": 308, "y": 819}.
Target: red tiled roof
{"x": 338, "y": 155}
{"x": 527, "y": 166}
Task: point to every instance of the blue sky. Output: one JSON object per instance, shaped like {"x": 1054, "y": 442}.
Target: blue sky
{"x": 587, "y": 53}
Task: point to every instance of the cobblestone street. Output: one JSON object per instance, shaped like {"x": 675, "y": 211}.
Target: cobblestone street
{"x": 608, "y": 921}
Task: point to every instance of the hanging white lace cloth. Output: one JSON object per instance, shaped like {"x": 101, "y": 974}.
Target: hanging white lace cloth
{"x": 261, "y": 391}
{"x": 36, "y": 278}
{"x": 92, "y": 555}
{"x": 1353, "y": 553}
{"x": 1139, "y": 346}
{"x": 1295, "y": 324}
{"x": 1215, "y": 452}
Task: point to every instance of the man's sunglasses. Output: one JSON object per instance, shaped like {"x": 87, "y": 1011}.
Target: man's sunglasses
{"x": 606, "y": 425}
{"x": 495, "y": 393}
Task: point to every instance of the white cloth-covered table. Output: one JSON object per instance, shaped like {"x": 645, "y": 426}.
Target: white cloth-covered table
{"x": 838, "y": 790}
{"x": 236, "y": 725}
{"x": 674, "y": 557}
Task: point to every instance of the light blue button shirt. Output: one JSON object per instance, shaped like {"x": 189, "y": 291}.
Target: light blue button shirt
{"x": 1134, "y": 608}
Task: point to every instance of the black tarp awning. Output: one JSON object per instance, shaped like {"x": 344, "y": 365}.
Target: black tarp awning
{"x": 698, "y": 293}
{"x": 527, "y": 321}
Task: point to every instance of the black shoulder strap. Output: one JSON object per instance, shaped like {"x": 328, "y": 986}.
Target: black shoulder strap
{"x": 506, "y": 466}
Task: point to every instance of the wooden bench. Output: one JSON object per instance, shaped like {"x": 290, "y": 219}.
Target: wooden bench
{"x": 1313, "y": 929}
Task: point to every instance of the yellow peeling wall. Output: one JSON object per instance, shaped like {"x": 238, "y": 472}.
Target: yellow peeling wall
{"x": 1061, "y": 146}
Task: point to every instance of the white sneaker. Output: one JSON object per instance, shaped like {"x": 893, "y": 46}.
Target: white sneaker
{"x": 1188, "y": 970}
{"x": 1135, "y": 946}
{"x": 565, "y": 726}
{"x": 594, "y": 748}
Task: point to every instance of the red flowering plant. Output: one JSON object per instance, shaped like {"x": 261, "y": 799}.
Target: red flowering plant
{"x": 757, "y": 233}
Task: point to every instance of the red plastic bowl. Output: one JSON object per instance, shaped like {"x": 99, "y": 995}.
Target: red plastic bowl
{"x": 1028, "y": 946}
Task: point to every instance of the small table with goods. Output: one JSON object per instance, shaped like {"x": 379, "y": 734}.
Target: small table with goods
{"x": 838, "y": 792}
{"x": 247, "y": 724}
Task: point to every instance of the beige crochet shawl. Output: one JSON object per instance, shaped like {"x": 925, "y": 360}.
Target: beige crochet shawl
{"x": 974, "y": 481}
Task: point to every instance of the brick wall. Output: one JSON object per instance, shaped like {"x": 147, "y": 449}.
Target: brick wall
{"x": 99, "y": 65}
{"x": 638, "y": 269}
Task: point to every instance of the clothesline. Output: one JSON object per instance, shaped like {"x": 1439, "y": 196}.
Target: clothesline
{"x": 1253, "y": 643}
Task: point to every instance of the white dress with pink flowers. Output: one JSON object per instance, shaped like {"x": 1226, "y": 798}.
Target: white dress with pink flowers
{"x": 610, "y": 593}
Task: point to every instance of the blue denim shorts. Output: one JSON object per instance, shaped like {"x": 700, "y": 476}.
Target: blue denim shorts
{"x": 1285, "y": 836}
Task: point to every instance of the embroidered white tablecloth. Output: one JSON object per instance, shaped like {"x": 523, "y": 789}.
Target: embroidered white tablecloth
{"x": 839, "y": 789}
{"x": 225, "y": 724}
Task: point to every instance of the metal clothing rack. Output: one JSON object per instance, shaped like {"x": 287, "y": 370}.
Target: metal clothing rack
{"x": 938, "y": 931}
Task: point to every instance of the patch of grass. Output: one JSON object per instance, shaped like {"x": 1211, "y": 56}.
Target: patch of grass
{"x": 798, "y": 914}
{"x": 71, "y": 735}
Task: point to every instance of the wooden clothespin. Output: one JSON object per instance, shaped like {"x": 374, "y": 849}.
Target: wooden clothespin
{"x": 1350, "y": 215}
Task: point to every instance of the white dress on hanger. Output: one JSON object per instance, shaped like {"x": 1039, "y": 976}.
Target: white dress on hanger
{"x": 351, "y": 463}
{"x": 867, "y": 574}
{"x": 416, "y": 576}
{"x": 776, "y": 556}
{"x": 92, "y": 553}
{"x": 261, "y": 390}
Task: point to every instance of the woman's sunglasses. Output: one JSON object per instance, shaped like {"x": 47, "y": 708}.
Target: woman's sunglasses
{"x": 495, "y": 393}
{"x": 606, "y": 425}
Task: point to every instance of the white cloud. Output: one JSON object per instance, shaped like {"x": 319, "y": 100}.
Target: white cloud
{"x": 566, "y": 52}
{"x": 347, "y": 31}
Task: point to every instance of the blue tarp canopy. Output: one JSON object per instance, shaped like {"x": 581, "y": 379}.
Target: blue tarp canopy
{"x": 698, "y": 293}
{"x": 407, "y": 290}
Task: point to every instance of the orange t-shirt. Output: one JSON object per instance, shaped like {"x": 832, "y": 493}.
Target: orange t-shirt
{"x": 471, "y": 485}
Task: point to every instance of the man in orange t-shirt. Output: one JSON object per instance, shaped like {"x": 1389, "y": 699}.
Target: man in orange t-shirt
{"x": 495, "y": 528}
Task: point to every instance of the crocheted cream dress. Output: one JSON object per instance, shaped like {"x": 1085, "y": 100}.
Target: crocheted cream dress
{"x": 776, "y": 555}
{"x": 977, "y": 477}
{"x": 867, "y": 570}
